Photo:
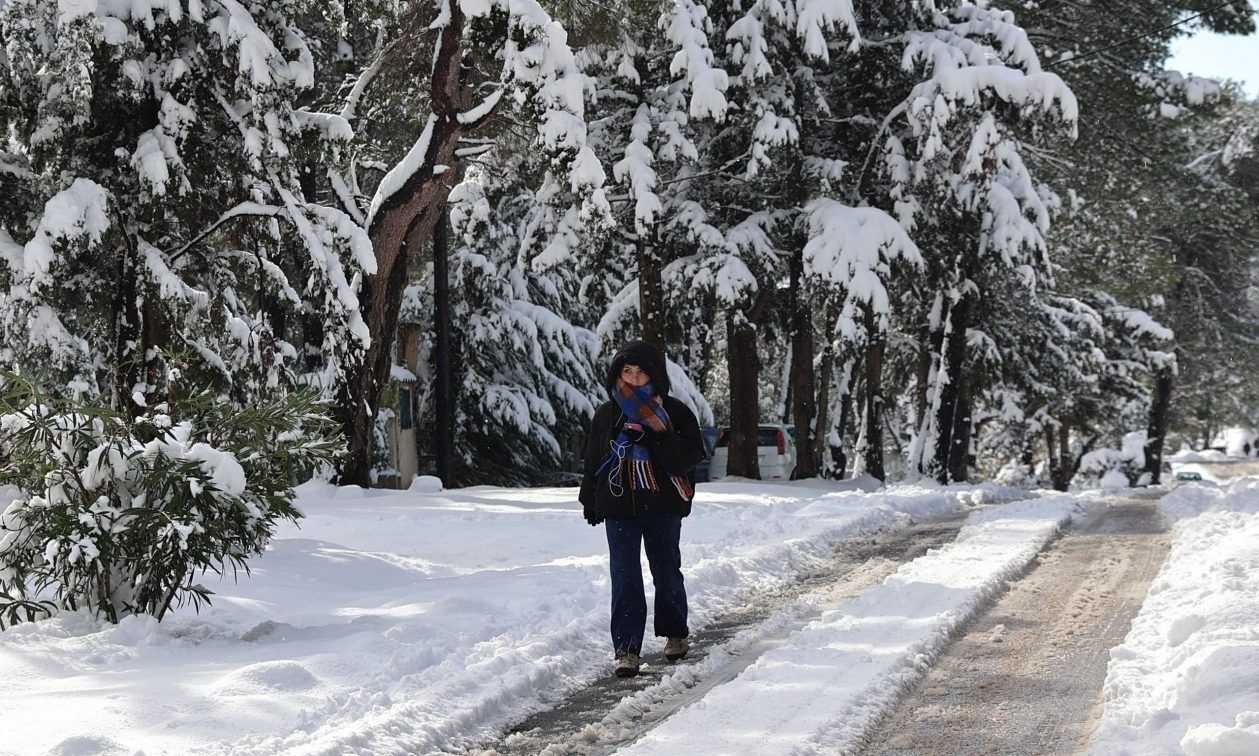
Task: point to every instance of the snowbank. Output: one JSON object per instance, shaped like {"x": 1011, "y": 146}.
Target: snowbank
{"x": 405, "y": 622}
{"x": 1186, "y": 679}
{"x": 833, "y": 679}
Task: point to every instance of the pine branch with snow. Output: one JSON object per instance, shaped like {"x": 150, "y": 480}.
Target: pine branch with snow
{"x": 117, "y": 516}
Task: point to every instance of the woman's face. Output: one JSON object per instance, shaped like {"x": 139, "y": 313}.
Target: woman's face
{"x": 634, "y": 376}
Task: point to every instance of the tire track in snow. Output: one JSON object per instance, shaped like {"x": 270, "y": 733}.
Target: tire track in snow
{"x": 611, "y": 713}
{"x": 1026, "y": 677}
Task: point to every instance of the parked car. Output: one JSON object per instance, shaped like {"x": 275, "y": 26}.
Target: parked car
{"x": 709, "y": 434}
{"x": 1186, "y": 477}
{"x": 775, "y": 449}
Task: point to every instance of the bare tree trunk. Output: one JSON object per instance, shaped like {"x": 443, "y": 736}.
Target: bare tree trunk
{"x": 1028, "y": 458}
{"x": 403, "y": 222}
{"x": 702, "y": 369}
{"x": 744, "y": 367}
{"x": 126, "y": 332}
{"x": 959, "y": 442}
{"x": 785, "y": 401}
{"x": 650, "y": 294}
{"x": 444, "y": 385}
{"x": 744, "y": 364}
{"x": 922, "y": 374}
{"x": 823, "y": 405}
{"x": 803, "y": 409}
{"x": 1157, "y": 430}
{"x": 840, "y": 458}
{"x": 1051, "y": 450}
{"x": 873, "y": 434}
{"x": 1060, "y": 468}
{"x": 952, "y": 365}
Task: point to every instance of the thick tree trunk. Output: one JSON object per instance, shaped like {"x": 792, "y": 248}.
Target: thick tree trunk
{"x": 705, "y": 346}
{"x": 959, "y": 442}
{"x": 922, "y": 374}
{"x": 744, "y": 367}
{"x": 847, "y": 382}
{"x": 825, "y": 379}
{"x": 1061, "y": 469}
{"x": 312, "y": 341}
{"x": 873, "y": 433}
{"x": 1027, "y": 459}
{"x": 803, "y": 409}
{"x": 650, "y": 295}
{"x": 404, "y": 221}
{"x": 1157, "y": 430}
{"x": 1051, "y": 454}
{"x": 444, "y": 385}
{"x": 952, "y": 365}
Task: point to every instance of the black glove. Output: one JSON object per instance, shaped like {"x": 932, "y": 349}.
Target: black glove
{"x": 639, "y": 434}
{"x": 591, "y": 516}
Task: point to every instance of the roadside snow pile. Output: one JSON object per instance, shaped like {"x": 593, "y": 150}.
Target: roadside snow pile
{"x": 1186, "y": 679}
{"x": 834, "y": 678}
{"x": 408, "y": 621}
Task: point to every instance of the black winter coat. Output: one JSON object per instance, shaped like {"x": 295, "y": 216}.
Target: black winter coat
{"x": 675, "y": 451}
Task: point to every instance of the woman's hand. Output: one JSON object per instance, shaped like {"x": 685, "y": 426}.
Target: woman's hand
{"x": 638, "y": 433}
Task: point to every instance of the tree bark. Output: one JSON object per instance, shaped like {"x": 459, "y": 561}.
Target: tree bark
{"x": 803, "y": 408}
{"x": 1060, "y": 468}
{"x": 952, "y": 365}
{"x": 404, "y": 221}
{"x": 744, "y": 367}
{"x": 873, "y": 434}
{"x": 701, "y": 367}
{"x": 838, "y": 456}
{"x": 1157, "y": 429}
{"x": 650, "y": 295}
{"x": 922, "y": 374}
{"x": 823, "y": 405}
{"x": 444, "y": 385}
{"x": 126, "y": 331}
{"x": 1028, "y": 459}
{"x": 959, "y": 441}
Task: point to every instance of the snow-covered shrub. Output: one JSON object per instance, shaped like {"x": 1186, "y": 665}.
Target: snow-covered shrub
{"x": 118, "y": 515}
{"x": 1111, "y": 468}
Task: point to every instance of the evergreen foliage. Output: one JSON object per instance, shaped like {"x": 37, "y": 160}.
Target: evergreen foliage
{"x": 155, "y": 154}
{"x": 118, "y": 515}
{"x": 939, "y": 236}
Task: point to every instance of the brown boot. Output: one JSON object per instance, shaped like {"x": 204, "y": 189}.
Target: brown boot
{"x": 627, "y": 663}
{"x": 676, "y": 649}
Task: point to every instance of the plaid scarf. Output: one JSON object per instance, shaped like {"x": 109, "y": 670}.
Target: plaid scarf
{"x": 633, "y": 461}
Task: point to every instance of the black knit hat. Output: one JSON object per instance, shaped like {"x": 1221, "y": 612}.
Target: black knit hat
{"x": 647, "y": 358}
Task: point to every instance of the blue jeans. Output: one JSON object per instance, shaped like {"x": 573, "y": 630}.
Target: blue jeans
{"x": 660, "y": 535}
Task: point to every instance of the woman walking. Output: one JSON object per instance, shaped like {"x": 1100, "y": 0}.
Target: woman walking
{"x": 641, "y": 449}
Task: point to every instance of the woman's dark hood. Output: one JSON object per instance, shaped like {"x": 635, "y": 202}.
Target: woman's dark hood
{"x": 648, "y": 359}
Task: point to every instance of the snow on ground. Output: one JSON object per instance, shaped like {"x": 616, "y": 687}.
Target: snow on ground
{"x": 835, "y": 677}
{"x": 1186, "y": 679}
{"x": 405, "y": 622}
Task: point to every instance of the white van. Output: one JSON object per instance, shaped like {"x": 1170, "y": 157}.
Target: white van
{"x": 775, "y": 449}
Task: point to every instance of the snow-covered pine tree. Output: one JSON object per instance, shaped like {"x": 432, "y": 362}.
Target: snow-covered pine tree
{"x": 852, "y": 251}
{"x": 526, "y": 373}
{"x": 1210, "y": 303}
{"x": 652, "y": 86}
{"x": 952, "y": 150}
{"x": 517, "y": 61}
{"x": 156, "y": 206}
{"x": 1135, "y": 213}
